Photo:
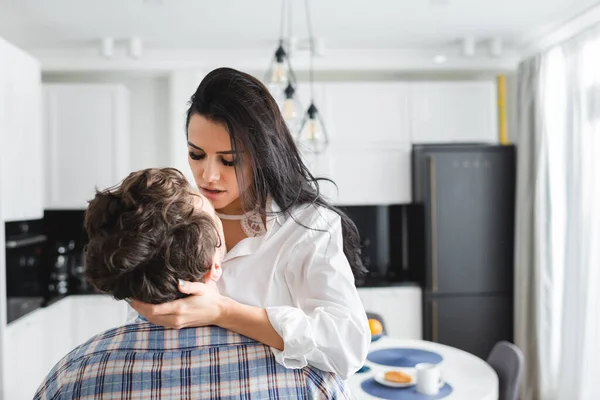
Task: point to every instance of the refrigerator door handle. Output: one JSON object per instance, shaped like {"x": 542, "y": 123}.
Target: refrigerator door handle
{"x": 433, "y": 195}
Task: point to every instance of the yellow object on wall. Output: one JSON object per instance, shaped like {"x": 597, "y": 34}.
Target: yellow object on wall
{"x": 502, "y": 109}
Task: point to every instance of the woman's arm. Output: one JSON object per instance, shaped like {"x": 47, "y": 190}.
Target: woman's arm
{"x": 207, "y": 307}
{"x": 249, "y": 321}
{"x": 327, "y": 327}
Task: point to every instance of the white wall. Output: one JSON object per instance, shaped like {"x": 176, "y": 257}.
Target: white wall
{"x": 150, "y": 124}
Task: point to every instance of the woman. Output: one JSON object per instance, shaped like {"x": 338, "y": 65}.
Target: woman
{"x": 288, "y": 277}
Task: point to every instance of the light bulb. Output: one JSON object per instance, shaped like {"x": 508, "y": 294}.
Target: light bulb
{"x": 279, "y": 75}
{"x": 289, "y": 110}
{"x": 312, "y": 130}
{"x": 313, "y": 137}
{"x": 312, "y": 134}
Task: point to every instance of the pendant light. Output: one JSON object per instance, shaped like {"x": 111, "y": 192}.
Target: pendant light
{"x": 291, "y": 108}
{"x": 312, "y": 134}
{"x": 280, "y": 73}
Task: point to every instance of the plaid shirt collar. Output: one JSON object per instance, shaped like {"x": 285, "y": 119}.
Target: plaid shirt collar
{"x": 150, "y": 337}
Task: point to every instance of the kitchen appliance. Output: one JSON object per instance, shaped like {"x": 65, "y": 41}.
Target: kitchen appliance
{"x": 66, "y": 238}
{"x": 25, "y": 282}
{"x": 462, "y": 233}
{"x": 61, "y": 267}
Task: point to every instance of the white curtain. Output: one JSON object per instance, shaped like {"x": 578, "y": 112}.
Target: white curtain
{"x": 557, "y": 254}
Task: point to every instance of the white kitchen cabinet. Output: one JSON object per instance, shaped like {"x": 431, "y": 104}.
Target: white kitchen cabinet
{"x": 400, "y": 308}
{"x": 20, "y": 127}
{"x": 369, "y": 153}
{"x": 368, "y": 112}
{"x": 36, "y": 342}
{"x": 372, "y": 126}
{"x": 59, "y": 332}
{"x": 87, "y": 141}
{"x": 94, "y": 314}
{"x": 453, "y": 111}
{"x": 25, "y": 359}
{"x": 368, "y": 174}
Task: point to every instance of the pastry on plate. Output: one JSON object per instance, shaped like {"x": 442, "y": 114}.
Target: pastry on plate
{"x": 397, "y": 377}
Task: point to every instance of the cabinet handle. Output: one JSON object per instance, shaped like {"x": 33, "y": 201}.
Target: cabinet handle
{"x": 434, "y": 321}
{"x": 432, "y": 192}
{"x": 14, "y": 244}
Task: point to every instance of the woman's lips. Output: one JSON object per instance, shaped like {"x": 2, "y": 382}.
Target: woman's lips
{"x": 211, "y": 193}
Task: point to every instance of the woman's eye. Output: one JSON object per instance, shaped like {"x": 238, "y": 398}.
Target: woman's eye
{"x": 228, "y": 163}
{"x": 195, "y": 156}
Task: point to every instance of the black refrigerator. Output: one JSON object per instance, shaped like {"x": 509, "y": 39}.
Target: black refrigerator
{"x": 462, "y": 241}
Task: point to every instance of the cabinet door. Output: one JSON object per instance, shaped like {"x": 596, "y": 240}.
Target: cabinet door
{"x": 59, "y": 332}
{"x": 369, "y": 174}
{"x": 470, "y": 323}
{"x": 21, "y": 156}
{"x": 445, "y": 112}
{"x": 400, "y": 308}
{"x": 368, "y": 112}
{"x": 25, "y": 347}
{"x": 87, "y": 142}
{"x": 94, "y": 314}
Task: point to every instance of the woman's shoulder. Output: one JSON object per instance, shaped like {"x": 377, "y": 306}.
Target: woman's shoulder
{"x": 314, "y": 216}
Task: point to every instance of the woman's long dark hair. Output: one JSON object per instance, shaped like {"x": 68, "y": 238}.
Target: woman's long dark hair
{"x": 257, "y": 128}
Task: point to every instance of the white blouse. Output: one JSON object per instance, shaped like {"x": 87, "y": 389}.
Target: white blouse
{"x": 303, "y": 279}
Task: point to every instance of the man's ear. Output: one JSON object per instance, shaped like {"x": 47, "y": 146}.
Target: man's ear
{"x": 214, "y": 274}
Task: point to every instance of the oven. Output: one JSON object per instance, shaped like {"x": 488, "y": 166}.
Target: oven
{"x": 25, "y": 273}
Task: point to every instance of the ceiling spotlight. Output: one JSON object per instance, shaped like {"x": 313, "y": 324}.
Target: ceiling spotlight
{"x": 440, "y": 59}
{"x": 135, "y": 47}
{"x": 468, "y": 47}
{"x": 107, "y": 47}
{"x": 496, "y": 47}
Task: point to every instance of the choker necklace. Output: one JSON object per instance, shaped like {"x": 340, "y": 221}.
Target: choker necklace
{"x": 251, "y": 222}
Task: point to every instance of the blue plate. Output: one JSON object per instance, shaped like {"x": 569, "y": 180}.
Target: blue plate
{"x": 402, "y": 357}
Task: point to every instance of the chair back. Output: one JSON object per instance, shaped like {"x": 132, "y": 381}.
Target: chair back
{"x": 507, "y": 360}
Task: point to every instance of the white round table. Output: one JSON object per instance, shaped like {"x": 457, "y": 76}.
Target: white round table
{"x": 471, "y": 378}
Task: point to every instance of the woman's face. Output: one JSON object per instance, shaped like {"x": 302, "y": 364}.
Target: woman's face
{"x": 213, "y": 164}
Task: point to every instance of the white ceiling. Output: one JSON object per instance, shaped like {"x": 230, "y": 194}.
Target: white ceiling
{"x": 254, "y": 24}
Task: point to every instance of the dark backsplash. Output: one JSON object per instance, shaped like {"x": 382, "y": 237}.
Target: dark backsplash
{"x": 385, "y": 240}
{"x": 65, "y": 225}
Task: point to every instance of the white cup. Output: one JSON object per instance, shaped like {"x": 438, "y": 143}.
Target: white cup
{"x": 429, "y": 378}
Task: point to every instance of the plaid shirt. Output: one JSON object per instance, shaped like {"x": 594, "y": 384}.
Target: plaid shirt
{"x": 146, "y": 361}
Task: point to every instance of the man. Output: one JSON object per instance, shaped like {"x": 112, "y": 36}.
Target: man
{"x": 144, "y": 236}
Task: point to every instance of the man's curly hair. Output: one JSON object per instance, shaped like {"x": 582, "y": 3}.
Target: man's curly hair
{"x": 145, "y": 234}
